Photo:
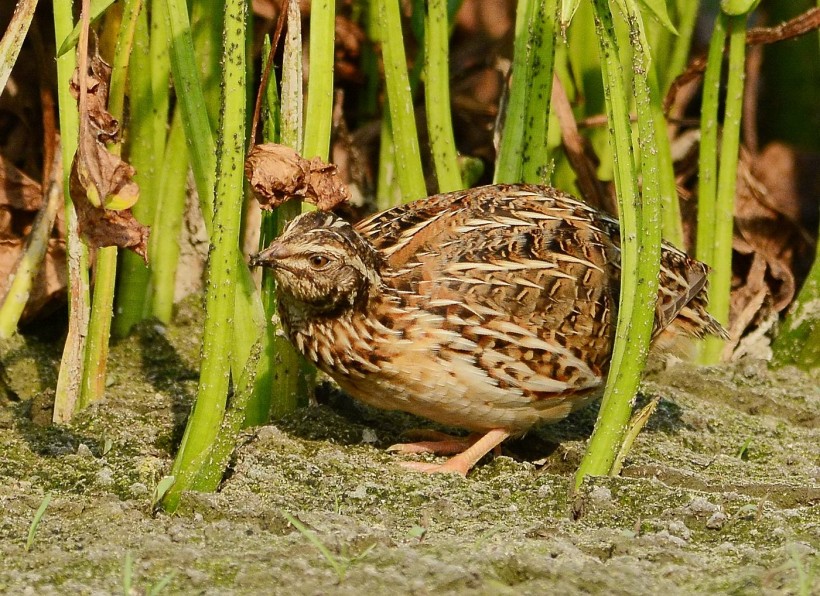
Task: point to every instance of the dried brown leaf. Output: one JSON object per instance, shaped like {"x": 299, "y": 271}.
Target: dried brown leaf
{"x": 277, "y": 174}
{"x": 106, "y": 227}
{"x": 102, "y": 185}
{"x": 103, "y": 178}
{"x": 18, "y": 191}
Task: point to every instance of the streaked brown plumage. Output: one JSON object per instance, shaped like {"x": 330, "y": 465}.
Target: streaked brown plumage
{"x": 490, "y": 309}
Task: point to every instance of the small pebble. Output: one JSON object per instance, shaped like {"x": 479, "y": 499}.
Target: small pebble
{"x": 84, "y": 451}
{"x": 105, "y": 476}
{"x": 716, "y": 521}
{"x": 600, "y": 495}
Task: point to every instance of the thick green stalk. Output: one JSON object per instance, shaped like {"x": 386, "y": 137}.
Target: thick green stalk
{"x": 223, "y": 272}
{"x": 147, "y": 132}
{"x": 682, "y": 43}
{"x": 640, "y": 240}
{"x": 69, "y": 380}
{"x": 707, "y": 158}
{"x": 249, "y": 315}
{"x": 105, "y": 271}
{"x": 206, "y": 29}
{"x": 437, "y": 97}
{"x": 319, "y": 115}
{"x": 535, "y": 159}
{"x": 190, "y": 95}
{"x": 400, "y": 100}
{"x": 721, "y": 275}
{"x": 132, "y": 285}
{"x": 164, "y": 246}
{"x": 671, "y": 223}
{"x": 508, "y": 167}
{"x": 291, "y": 376}
{"x": 388, "y": 193}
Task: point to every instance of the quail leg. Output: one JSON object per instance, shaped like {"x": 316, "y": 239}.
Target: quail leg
{"x": 464, "y": 461}
{"x": 433, "y": 441}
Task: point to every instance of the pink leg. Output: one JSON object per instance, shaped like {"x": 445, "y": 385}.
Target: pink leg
{"x": 433, "y": 441}
{"x": 464, "y": 461}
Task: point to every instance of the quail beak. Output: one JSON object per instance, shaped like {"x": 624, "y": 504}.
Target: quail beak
{"x": 271, "y": 256}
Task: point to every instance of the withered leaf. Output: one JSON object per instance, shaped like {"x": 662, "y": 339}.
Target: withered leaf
{"x": 277, "y": 174}
{"x": 102, "y": 185}
{"x": 18, "y": 191}
{"x": 106, "y": 227}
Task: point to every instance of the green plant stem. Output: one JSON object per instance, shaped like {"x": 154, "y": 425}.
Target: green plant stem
{"x": 13, "y": 38}
{"x": 192, "y": 99}
{"x": 437, "y": 97}
{"x": 292, "y": 377}
{"x": 141, "y": 152}
{"x": 28, "y": 265}
{"x": 534, "y": 155}
{"x": 400, "y": 101}
{"x": 720, "y": 278}
{"x": 249, "y": 315}
{"x": 149, "y": 79}
{"x": 388, "y": 193}
{"x": 671, "y": 222}
{"x": 164, "y": 246}
{"x": 209, "y": 409}
{"x": 69, "y": 380}
{"x": 640, "y": 241}
{"x": 105, "y": 272}
{"x": 320, "y": 85}
{"x": 508, "y": 167}
{"x": 682, "y": 43}
{"x": 707, "y": 157}
{"x": 523, "y": 152}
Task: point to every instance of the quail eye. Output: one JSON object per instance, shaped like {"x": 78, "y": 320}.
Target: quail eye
{"x": 319, "y": 261}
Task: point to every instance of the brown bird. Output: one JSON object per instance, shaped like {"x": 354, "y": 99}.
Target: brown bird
{"x": 490, "y": 309}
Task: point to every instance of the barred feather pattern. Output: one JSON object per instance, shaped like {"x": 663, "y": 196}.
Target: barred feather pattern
{"x": 485, "y": 308}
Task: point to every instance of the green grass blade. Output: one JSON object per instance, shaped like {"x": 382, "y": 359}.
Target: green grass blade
{"x": 720, "y": 281}
{"x": 437, "y": 97}
{"x": 223, "y": 269}
{"x": 105, "y": 271}
{"x": 707, "y": 158}
{"x": 35, "y": 521}
{"x": 320, "y": 85}
{"x": 192, "y": 99}
{"x": 400, "y": 101}
{"x": 640, "y": 245}
{"x": 141, "y": 152}
{"x": 13, "y": 38}
{"x": 165, "y": 246}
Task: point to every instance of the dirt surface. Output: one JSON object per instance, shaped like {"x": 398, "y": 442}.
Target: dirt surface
{"x": 721, "y": 493}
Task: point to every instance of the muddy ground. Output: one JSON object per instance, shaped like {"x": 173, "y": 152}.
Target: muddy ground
{"x": 721, "y": 493}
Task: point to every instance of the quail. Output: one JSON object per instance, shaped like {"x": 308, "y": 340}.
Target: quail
{"x": 490, "y": 309}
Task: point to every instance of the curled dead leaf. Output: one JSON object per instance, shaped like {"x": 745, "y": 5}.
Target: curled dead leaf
{"x": 102, "y": 177}
{"x": 106, "y": 227}
{"x": 277, "y": 174}
{"x": 102, "y": 185}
